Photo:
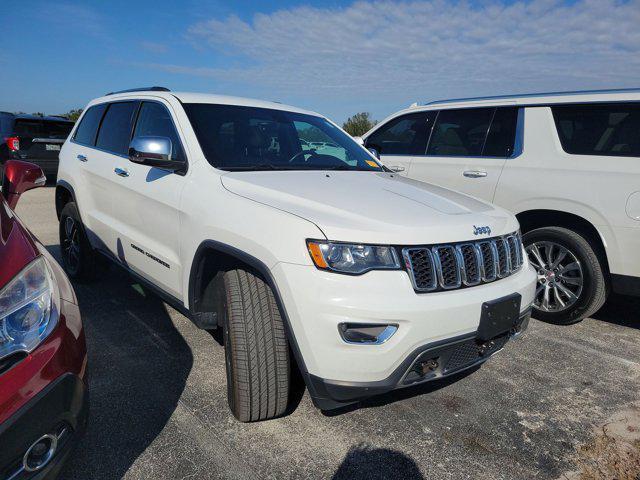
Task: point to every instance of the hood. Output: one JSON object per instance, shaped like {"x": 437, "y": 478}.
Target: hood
{"x": 369, "y": 207}
{"x": 17, "y": 247}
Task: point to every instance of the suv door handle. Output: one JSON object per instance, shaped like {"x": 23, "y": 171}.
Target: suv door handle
{"x": 82, "y": 158}
{"x": 121, "y": 171}
{"x": 397, "y": 168}
{"x": 474, "y": 173}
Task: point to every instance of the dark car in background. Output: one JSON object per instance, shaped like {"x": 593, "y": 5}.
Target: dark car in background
{"x": 43, "y": 354}
{"x": 33, "y": 138}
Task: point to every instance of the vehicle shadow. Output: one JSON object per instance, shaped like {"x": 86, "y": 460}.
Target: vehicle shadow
{"x": 620, "y": 310}
{"x": 362, "y": 462}
{"x": 137, "y": 370}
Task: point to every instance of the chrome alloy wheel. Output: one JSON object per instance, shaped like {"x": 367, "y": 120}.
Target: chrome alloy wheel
{"x": 71, "y": 244}
{"x": 560, "y": 276}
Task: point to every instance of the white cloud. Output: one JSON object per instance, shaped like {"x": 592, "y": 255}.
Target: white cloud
{"x": 385, "y": 51}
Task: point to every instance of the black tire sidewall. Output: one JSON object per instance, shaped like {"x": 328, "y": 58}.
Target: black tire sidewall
{"x": 589, "y": 271}
{"x": 85, "y": 266}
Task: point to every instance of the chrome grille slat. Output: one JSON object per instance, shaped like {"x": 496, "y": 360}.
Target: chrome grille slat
{"x": 447, "y": 267}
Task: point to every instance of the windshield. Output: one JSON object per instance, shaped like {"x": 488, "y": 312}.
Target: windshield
{"x": 238, "y": 138}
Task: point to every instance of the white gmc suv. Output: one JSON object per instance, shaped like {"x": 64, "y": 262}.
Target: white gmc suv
{"x": 567, "y": 164}
{"x": 271, "y": 223}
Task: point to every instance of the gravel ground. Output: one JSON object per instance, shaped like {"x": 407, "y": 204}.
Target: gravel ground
{"x": 159, "y": 408}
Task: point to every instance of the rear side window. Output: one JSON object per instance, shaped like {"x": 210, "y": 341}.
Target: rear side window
{"x": 405, "y": 135}
{"x": 502, "y": 133}
{"x": 115, "y": 131}
{"x": 6, "y": 124}
{"x": 599, "y": 129}
{"x": 88, "y": 128}
{"x": 460, "y": 133}
{"x": 154, "y": 120}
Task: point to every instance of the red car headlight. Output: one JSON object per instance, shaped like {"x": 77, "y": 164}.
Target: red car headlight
{"x": 28, "y": 308}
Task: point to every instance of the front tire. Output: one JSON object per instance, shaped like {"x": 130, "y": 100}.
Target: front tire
{"x": 78, "y": 258}
{"x": 571, "y": 280}
{"x": 256, "y": 349}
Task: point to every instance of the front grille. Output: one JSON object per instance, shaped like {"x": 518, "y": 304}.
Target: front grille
{"x": 446, "y": 267}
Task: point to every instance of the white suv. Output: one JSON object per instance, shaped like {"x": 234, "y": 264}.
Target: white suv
{"x": 568, "y": 166}
{"x": 313, "y": 258}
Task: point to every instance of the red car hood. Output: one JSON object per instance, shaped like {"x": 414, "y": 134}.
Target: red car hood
{"x": 17, "y": 247}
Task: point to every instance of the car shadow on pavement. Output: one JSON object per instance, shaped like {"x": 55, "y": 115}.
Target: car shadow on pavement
{"x": 620, "y": 310}
{"x": 138, "y": 367}
{"x": 369, "y": 463}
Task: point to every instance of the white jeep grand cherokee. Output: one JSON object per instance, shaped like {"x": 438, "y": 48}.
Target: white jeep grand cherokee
{"x": 271, "y": 223}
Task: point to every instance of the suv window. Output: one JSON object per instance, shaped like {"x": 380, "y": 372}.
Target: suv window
{"x": 502, "y": 133}
{"x": 155, "y": 120}
{"x": 42, "y": 128}
{"x": 6, "y": 124}
{"x": 599, "y": 129}
{"x": 88, "y": 128}
{"x": 460, "y": 133}
{"x": 115, "y": 131}
{"x": 405, "y": 135}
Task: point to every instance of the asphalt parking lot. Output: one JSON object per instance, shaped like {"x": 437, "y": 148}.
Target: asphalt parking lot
{"x": 557, "y": 401}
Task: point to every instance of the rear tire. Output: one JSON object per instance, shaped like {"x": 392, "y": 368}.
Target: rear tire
{"x": 579, "y": 261}
{"x": 256, "y": 349}
{"x": 78, "y": 258}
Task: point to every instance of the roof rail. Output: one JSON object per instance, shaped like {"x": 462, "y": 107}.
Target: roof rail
{"x": 541, "y": 94}
{"x": 142, "y": 89}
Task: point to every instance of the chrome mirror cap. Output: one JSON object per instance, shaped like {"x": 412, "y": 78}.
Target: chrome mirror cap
{"x": 149, "y": 149}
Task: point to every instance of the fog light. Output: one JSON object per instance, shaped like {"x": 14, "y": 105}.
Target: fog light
{"x": 366, "y": 334}
{"x": 40, "y": 453}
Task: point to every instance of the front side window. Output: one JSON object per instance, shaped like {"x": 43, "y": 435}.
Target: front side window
{"x": 88, "y": 128}
{"x": 248, "y": 138}
{"x": 460, "y": 133}
{"x": 405, "y": 135}
{"x": 599, "y": 129}
{"x": 115, "y": 130}
{"x": 154, "y": 120}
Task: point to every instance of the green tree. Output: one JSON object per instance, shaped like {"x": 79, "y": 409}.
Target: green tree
{"x": 359, "y": 124}
{"x": 73, "y": 114}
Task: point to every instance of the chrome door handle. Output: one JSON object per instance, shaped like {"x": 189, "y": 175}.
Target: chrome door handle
{"x": 121, "y": 171}
{"x": 474, "y": 173}
{"x": 397, "y": 168}
{"x": 82, "y": 158}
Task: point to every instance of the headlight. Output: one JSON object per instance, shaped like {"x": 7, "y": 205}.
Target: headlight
{"x": 352, "y": 258}
{"x": 28, "y": 312}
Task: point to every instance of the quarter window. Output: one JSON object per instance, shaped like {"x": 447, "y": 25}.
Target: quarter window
{"x": 599, "y": 129}
{"x": 86, "y": 131}
{"x": 154, "y": 120}
{"x": 405, "y": 135}
{"x": 502, "y": 133}
{"x": 460, "y": 133}
{"x": 115, "y": 131}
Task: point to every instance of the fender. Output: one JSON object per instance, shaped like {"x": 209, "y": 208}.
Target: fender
{"x": 260, "y": 267}
{"x": 67, "y": 186}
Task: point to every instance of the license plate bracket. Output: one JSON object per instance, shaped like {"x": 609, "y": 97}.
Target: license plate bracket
{"x": 499, "y": 316}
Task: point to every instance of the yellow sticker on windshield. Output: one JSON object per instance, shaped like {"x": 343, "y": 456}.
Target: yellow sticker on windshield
{"x": 372, "y": 164}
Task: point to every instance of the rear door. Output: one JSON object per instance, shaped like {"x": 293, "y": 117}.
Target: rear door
{"x": 467, "y": 150}
{"x": 40, "y": 141}
{"x": 401, "y": 139}
{"x": 146, "y": 203}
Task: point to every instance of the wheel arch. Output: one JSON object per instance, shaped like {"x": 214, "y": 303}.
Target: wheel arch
{"x": 212, "y": 257}
{"x": 64, "y": 194}
{"x": 538, "y": 218}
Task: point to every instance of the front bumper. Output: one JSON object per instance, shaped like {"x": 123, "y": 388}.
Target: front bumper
{"x": 60, "y": 409}
{"x": 317, "y": 302}
{"x": 427, "y": 363}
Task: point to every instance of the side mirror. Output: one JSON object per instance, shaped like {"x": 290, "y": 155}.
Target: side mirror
{"x": 359, "y": 141}
{"x": 374, "y": 152}
{"x": 19, "y": 177}
{"x": 153, "y": 151}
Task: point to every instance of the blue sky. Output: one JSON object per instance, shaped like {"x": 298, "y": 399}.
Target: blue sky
{"x": 335, "y": 57}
